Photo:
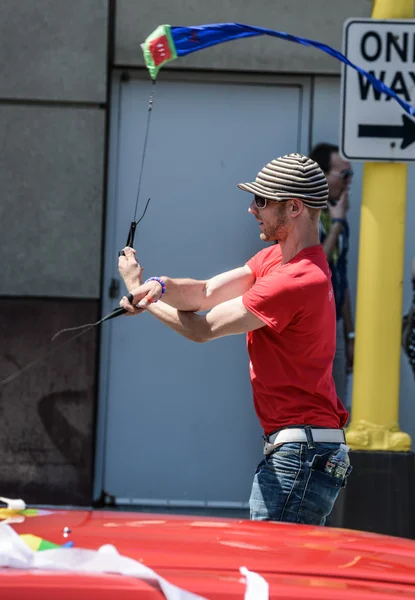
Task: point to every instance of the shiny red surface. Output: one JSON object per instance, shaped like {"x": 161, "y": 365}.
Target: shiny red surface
{"x": 204, "y": 555}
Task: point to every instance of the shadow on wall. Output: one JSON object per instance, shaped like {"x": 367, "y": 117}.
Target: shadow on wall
{"x": 46, "y": 413}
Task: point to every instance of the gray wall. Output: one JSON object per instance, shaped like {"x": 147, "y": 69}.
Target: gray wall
{"x": 52, "y": 127}
{"x": 51, "y": 177}
{"x": 317, "y": 19}
{"x": 53, "y": 86}
{"x": 47, "y": 413}
{"x": 53, "y": 50}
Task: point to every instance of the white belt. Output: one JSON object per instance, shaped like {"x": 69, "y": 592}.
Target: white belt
{"x": 294, "y": 434}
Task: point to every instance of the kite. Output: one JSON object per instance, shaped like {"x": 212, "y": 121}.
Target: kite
{"x": 16, "y": 511}
{"x": 38, "y": 544}
{"x": 167, "y": 43}
{"x": 7, "y": 513}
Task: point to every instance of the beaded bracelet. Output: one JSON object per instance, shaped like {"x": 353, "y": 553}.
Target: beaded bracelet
{"x": 161, "y": 282}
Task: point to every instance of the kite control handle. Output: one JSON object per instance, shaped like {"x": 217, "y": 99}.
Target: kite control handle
{"x": 130, "y": 239}
{"x": 117, "y": 312}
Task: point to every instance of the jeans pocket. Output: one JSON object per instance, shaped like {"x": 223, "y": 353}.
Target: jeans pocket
{"x": 273, "y": 483}
{"x": 285, "y": 459}
{"x": 320, "y": 492}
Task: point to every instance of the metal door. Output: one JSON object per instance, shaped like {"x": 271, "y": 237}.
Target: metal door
{"x": 176, "y": 419}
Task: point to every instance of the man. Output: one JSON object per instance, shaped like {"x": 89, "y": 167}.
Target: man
{"x": 334, "y": 235}
{"x": 283, "y": 300}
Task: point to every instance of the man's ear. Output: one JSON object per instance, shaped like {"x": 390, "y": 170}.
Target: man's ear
{"x": 296, "y": 207}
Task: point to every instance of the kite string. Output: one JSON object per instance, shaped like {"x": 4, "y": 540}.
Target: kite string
{"x": 118, "y": 311}
{"x": 44, "y": 355}
{"x": 149, "y": 113}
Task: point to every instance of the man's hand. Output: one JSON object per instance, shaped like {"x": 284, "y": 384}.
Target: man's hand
{"x": 130, "y": 309}
{"x": 337, "y": 211}
{"x": 349, "y": 355}
{"x": 129, "y": 268}
{"x": 143, "y": 296}
{"x": 340, "y": 209}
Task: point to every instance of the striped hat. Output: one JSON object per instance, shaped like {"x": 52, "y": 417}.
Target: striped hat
{"x": 288, "y": 177}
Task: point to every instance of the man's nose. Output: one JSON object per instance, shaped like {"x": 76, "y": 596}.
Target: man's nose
{"x": 253, "y": 209}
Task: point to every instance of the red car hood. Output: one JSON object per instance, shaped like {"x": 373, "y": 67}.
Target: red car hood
{"x": 169, "y": 543}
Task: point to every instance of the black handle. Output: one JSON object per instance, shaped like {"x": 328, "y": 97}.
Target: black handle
{"x": 117, "y": 312}
{"x": 130, "y": 238}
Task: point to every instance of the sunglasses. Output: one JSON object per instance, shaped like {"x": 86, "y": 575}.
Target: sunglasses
{"x": 260, "y": 201}
{"x": 346, "y": 174}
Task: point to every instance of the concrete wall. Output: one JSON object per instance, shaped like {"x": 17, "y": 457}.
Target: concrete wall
{"x": 52, "y": 187}
{"x": 52, "y": 127}
{"x": 318, "y": 19}
{"x": 47, "y": 413}
{"x": 53, "y": 50}
{"x": 53, "y": 87}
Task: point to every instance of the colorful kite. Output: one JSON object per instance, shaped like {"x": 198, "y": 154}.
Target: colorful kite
{"x": 167, "y": 43}
{"x": 7, "y": 513}
{"x": 16, "y": 511}
{"x": 38, "y": 544}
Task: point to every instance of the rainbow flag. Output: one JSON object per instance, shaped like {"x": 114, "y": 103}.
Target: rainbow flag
{"x": 37, "y": 544}
{"x": 8, "y": 513}
{"x": 169, "y": 42}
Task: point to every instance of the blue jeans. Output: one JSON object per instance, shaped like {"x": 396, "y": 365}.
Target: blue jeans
{"x": 291, "y": 485}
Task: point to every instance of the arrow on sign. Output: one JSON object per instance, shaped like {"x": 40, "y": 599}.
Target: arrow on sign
{"x": 406, "y": 131}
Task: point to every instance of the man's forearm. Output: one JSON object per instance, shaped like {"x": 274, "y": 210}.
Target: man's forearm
{"x": 184, "y": 294}
{"x": 195, "y": 296}
{"x": 130, "y": 282}
{"x": 188, "y": 324}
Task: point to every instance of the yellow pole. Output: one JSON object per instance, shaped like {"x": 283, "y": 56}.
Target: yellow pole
{"x": 375, "y": 411}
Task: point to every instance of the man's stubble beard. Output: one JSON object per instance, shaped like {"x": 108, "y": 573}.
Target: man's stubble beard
{"x": 279, "y": 230}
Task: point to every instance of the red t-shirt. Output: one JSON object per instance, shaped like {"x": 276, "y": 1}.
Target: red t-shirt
{"x": 292, "y": 356}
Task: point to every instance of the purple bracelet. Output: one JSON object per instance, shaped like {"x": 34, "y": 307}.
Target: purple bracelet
{"x": 161, "y": 282}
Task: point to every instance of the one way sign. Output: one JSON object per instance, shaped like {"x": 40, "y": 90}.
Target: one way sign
{"x": 372, "y": 125}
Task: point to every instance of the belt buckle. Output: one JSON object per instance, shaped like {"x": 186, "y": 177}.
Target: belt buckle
{"x": 268, "y": 447}
{"x": 267, "y": 444}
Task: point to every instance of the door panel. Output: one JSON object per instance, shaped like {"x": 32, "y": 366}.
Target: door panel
{"x": 176, "y": 419}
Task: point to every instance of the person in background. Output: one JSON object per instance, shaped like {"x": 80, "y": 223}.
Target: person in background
{"x": 408, "y": 327}
{"x": 334, "y": 236}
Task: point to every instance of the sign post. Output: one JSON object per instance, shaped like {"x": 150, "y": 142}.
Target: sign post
{"x": 373, "y": 126}
{"x": 381, "y": 490}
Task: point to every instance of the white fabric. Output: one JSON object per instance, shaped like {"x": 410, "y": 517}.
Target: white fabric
{"x": 13, "y": 504}
{"x": 14, "y": 553}
{"x": 257, "y": 587}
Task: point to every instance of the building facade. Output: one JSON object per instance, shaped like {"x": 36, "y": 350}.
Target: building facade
{"x": 98, "y": 417}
